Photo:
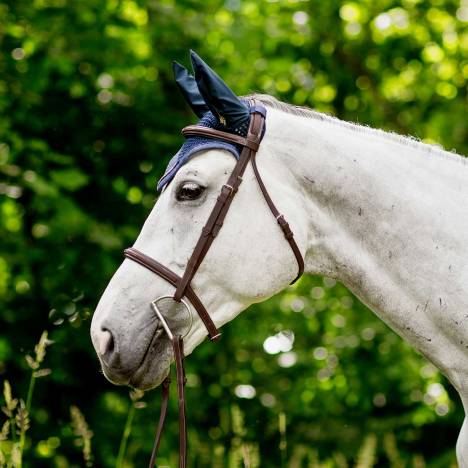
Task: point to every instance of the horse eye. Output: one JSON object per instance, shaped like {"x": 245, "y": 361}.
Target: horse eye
{"x": 189, "y": 191}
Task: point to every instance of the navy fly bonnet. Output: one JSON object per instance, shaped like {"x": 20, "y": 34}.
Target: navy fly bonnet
{"x": 194, "y": 144}
{"x": 216, "y": 106}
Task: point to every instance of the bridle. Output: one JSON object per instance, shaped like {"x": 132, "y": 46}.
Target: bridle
{"x": 250, "y": 145}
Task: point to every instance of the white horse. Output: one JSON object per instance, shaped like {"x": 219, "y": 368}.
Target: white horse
{"x": 385, "y": 215}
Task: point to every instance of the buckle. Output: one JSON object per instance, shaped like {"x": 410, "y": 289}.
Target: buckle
{"x": 231, "y": 189}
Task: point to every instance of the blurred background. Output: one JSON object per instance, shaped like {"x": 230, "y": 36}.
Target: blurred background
{"x": 90, "y": 116}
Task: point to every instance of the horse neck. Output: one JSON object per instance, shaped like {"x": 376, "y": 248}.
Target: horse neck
{"x": 385, "y": 217}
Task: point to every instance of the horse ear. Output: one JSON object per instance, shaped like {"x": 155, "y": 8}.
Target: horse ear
{"x": 188, "y": 86}
{"x": 224, "y": 104}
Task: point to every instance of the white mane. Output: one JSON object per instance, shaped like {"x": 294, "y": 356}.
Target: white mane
{"x": 409, "y": 141}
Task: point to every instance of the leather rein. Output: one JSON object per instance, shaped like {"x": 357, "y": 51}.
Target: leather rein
{"x": 250, "y": 145}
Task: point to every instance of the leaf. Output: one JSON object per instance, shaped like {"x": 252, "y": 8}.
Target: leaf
{"x": 69, "y": 179}
{"x": 22, "y": 417}
{"x": 40, "y": 348}
{"x": 42, "y": 373}
{"x": 9, "y": 400}
{"x": 15, "y": 456}
{"x": 83, "y": 433}
{"x": 7, "y": 391}
{"x": 5, "y": 431}
{"x": 31, "y": 362}
{"x": 41, "y": 186}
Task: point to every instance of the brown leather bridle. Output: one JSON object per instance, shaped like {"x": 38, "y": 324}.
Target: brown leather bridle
{"x": 250, "y": 145}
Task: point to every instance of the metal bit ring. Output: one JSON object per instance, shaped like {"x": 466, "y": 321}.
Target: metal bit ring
{"x": 164, "y": 323}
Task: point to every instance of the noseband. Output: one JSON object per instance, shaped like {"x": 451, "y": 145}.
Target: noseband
{"x": 250, "y": 145}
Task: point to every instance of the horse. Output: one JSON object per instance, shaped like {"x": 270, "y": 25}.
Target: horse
{"x": 386, "y": 215}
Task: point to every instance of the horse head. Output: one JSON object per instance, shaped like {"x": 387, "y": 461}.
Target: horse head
{"x": 247, "y": 262}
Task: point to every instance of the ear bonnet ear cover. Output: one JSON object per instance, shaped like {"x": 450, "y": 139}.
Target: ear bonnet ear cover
{"x": 232, "y": 113}
{"x": 189, "y": 89}
{"x": 215, "y": 103}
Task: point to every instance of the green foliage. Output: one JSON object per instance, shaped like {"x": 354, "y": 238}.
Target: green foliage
{"x": 90, "y": 117}
{"x": 82, "y": 433}
{"x": 18, "y": 412}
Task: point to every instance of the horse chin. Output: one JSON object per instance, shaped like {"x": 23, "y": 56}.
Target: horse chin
{"x": 144, "y": 378}
{"x": 148, "y": 380}
{"x": 153, "y": 369}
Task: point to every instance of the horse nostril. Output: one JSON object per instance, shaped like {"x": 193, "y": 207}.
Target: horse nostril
{"x": 106, "y": 342}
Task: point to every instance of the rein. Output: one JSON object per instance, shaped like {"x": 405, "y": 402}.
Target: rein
{"x": 250, "y": 145}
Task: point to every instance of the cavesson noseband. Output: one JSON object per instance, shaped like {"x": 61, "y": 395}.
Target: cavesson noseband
{"x": 250, "y": 145}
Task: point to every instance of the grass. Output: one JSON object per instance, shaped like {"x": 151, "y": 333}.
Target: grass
{"x": 17, "y": 410}
{"x": 374, "y": 449}
{"x": 82, "y": 433}
{"x": 135, "y": 403}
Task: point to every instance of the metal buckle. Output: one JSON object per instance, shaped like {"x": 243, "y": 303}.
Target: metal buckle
{"x": 231, "y": 189}
{"x": 164, "y": 323}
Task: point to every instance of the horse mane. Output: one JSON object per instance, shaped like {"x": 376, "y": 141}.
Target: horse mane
{"x": 409, "y": 141}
